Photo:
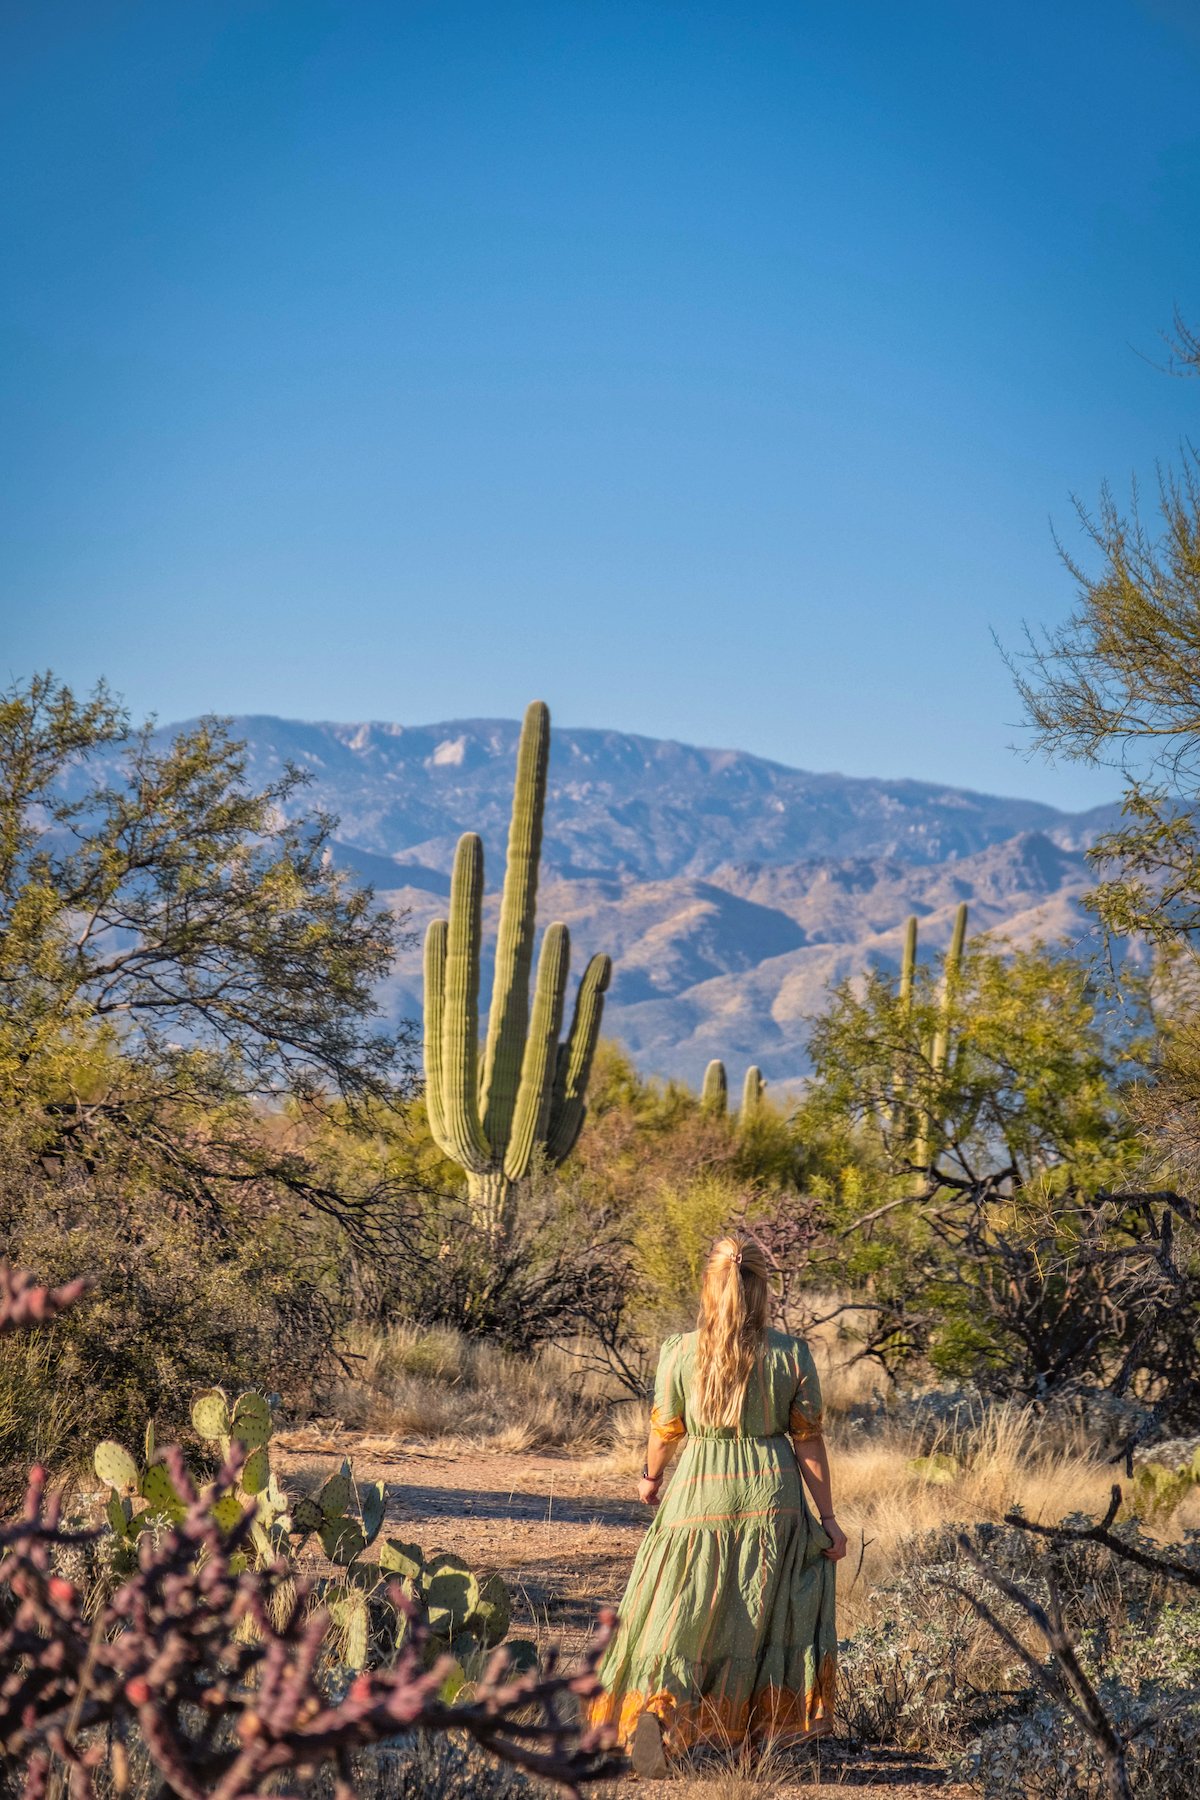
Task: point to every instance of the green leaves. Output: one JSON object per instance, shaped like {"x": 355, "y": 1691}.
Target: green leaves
{"x": 145, "y": 879}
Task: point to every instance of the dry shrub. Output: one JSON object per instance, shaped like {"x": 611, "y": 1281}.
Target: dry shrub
{"x": 43, "y": 1409}
{"x": 176, "y": 1302}
{"x": 892, "y": 1483}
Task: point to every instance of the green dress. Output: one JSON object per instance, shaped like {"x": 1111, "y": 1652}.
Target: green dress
{"x": 726, "y": 1631}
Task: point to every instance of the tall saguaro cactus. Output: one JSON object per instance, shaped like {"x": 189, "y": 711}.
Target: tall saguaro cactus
{"x": 532, "y": 1091}
{"x": 939, "y": 1049}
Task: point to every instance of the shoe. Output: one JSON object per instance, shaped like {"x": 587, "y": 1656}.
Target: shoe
{"x": 646, "y": 1751}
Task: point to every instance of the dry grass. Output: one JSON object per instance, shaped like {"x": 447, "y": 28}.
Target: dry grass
{"x": 444, "y": 1390}
{"x": 887, "y": 1490}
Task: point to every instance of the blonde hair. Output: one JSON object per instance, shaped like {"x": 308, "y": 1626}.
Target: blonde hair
{"x": 734, "y": 1301}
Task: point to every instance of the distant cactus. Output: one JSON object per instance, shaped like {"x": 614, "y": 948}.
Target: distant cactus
{"x": 939, "y": 1048}
{"x": 908, "y": 962}
{"x": 951, "y": 972}
{"x": 753, "y": 1088}
{"x": 531, "y": 1094}
{"x": 714, "y": 1095}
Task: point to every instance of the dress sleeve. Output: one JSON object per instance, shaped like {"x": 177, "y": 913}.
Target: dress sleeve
{"x": 667, "y": 1413}
{"x": 807, "y": 1416}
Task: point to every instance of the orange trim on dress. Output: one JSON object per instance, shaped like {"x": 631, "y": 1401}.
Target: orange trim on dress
{"x": 803, "y": 1425}
{"x": 667, "y": 1429}
{"x": 781, "y": 1716}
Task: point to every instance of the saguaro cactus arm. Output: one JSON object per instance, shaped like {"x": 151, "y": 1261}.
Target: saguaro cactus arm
{"x": 569, "y": 1103}
{"x": 435, "y": 1015}
{"x": 460, "y": 1027}
{"x": 908, "y": 962}
{"x": 508, "y": 1019}
{"x": 541, "y": 1044}
{"x": 953, "y": 964}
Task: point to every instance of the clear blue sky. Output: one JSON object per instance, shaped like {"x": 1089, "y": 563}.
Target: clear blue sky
{"x": 710, "y": 370}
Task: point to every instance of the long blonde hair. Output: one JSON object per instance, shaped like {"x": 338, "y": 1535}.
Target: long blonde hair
{"x": 734, "y": 1301}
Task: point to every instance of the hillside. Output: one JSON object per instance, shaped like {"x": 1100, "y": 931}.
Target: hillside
{"x": 729, "y": 889}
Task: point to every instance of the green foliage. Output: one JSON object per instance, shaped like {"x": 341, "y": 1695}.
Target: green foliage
{"x": 344, "y": 1518}
{"x": 1118, "y": 685}
{"x": 174, "y": 951}
{"x": 247, "y": 1287}
{"x": 466, "y": 1617}
{"x": 671, "y": 1241}
{"x": 1035, "y": 1082}
{"x": 531, "y": 1096}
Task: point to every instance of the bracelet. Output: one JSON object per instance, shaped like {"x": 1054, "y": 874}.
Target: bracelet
{"x": 829, "y": 1518}
{"x": 647, "y": 1476}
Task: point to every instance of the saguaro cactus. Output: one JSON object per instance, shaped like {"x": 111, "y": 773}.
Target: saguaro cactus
{"x": 532, "y": 1090}
{"x": 714, "y": 1094}
{"x": 939, "y": 1049}
{"x": 752, "y": 1091}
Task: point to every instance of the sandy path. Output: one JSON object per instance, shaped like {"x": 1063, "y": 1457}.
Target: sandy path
{"x": 563, "y": 1535}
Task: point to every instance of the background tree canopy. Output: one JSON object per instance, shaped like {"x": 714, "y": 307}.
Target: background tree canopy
{"x": 195, "y": 1090}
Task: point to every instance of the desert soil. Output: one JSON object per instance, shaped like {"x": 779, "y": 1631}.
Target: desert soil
{"x": 563, "y": 1534}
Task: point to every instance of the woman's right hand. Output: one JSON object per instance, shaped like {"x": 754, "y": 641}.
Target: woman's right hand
{"x": 838, "y": 1547}
{"x": 648, "y": 1491}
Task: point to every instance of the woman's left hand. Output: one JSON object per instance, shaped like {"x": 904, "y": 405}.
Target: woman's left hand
{"x": 648, "y": 1491}
{"x": 837, "y": 1548}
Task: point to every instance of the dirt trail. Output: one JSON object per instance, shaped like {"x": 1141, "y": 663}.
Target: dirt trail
{"x": 563, "y": 1534}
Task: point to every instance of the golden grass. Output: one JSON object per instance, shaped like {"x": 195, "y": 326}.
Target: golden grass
{"x": 444, "y": 1390}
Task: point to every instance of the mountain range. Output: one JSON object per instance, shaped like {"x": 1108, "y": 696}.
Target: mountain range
{"x": 730, "y": 890}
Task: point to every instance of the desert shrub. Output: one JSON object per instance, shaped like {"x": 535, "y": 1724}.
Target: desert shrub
{"x": 427, "y": 1766}
{"x": 43, "y": 1407}
{"x": 177, "y": 1300}
{"x": 559, "y": 1272}
{"x": 672, "y": 1237}
{"x": 924, "y": 1669}
{"x": 1148, "y": 1672}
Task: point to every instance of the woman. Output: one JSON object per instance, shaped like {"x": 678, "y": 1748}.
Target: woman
{"x": 727, "y": 1627}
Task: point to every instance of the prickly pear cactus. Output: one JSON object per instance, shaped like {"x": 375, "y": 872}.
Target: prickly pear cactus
{"x": 466, "y": 1618}
{"x": 247, "y": 1424}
